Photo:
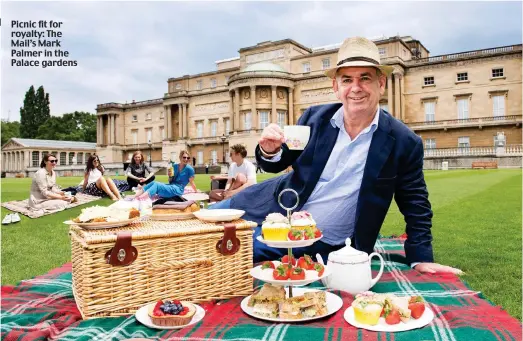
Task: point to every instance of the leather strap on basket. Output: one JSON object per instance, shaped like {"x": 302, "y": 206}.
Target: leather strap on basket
{"x": 123, "y": 253}
{"x": 229, "y": 244}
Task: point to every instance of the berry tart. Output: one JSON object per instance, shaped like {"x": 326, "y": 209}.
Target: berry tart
{"x": 172, "y": 313}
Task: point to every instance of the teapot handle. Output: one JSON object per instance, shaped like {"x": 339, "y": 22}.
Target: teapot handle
{"x": 377, "y": 278}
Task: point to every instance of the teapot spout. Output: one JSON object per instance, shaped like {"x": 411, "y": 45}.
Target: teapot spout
{"x": 324, "y": 280}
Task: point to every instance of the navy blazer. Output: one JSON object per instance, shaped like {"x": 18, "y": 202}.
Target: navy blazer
{"x": 394, "y": 167}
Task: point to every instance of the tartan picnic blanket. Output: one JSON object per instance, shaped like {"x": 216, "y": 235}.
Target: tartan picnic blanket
{"x": 43, "y": 308}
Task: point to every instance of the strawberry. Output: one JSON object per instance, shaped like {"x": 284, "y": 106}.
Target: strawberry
{"x": 295, "y": 235}
{"x": 309, "y": 233}
{"x": 306, "y": 263}
{"x": 392, "y": 316}
{"x": 267, "y": 265}
{"x": 317, "y": 233}
{"x": 285, "y": 259}
{"x": 416, "y": 306}
{"x": 297, "y": 274}
{"x": 157, "y": 311}
{"x": 320, "y": 268}
{"x": 281, "y": 273}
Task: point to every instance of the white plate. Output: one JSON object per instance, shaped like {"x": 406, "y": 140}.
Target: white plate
{"x": 219, "y": 215}
{"x": 288, "y": 243}
{"x": 382, "y": 326}
{"x": 179, "y": 216}
{"x": 142, "y": 316}
{"x": 334, "y": 303}
{"x": 196, "y": 196}
{"x": 266, "y": 276}
{"x": 102, "y": 225}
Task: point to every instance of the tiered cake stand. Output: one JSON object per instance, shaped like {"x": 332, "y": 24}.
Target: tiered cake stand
{"x": 334, "y": 302}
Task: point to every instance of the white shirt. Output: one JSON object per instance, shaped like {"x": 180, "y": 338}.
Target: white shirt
{"x": 247, "y": 168}
{"x": 94, "y": 175}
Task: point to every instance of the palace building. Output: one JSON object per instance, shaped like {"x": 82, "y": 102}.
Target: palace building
{"x": 460, "y": 104}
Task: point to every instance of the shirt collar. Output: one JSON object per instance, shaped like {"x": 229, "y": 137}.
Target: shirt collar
{"x": 337, "y": 120}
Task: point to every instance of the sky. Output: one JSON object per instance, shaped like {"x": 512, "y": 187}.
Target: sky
{"x": 127, "y": 50}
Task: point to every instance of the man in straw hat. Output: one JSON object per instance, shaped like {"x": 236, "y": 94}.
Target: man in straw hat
{"x": 358, "y": 157}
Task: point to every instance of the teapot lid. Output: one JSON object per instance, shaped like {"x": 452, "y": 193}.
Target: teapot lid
{"x": 348, "y": 254}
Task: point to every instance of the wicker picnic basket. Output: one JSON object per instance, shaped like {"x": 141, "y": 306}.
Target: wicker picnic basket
{"x": 116, "y": 271}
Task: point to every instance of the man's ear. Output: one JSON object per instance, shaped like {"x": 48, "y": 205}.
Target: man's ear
{"x": 335, "y": 87}
{"x": 382, "y": 81}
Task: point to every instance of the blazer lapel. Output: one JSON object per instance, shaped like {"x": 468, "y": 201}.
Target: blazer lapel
{"x": 379, "y": 151}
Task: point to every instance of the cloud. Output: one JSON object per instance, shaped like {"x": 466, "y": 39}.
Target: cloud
{"x": 128, "y": 50}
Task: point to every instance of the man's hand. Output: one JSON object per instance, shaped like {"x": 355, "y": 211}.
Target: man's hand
{"x": 272, "y": 138}
{"x": 435, "y": 267}
{"x": 142, "y": 180}
{"x": 212, "y": 177}
{"x": 227, "y": 194}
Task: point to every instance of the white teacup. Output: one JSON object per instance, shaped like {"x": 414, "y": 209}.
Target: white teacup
{"x": 296, "y": 137}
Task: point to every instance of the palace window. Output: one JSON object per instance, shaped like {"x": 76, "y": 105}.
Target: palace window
{"x": 498, "y": 106}
{"x": 87, "y": 156}
{"x": 463, "y": 142}
{"x": 214, "y": 157}
{"x": 383, "y": 51}
{"x": 200, "y": 157}
{"x": 162, "y": 114}
{"x": 149, "y": 135}
{"x": 80, "y": 158}
{"x": 71, "y": 157}
{"x": 162, "y": 132}
{"x": 430, "y": 111}
{"x": 306, "y": 67}
{"x": 326, "y": 63}
{"x": 198, "y": 85}
{"x": 213, "y": 82}
{"x": 430, "y": 143}
{"x": 497, "y": 73}
{"x": 135, "y": 118}
{"x": 199, "y": 129}
{"x": 428, "y": 80}
{"x": 134, "y": 134}
{"x": 227, "y": 126}
{"x": 281, "y": 118}
{"x": 247, "y": 121}
{"x": 148, "y": 117}
{"x": 36, "y": 156}
{"x": 462, "y": 77}
{"x": 178, "y": 86}
{"x": 214, "y": 128}
{"x": 63, "y": 158}
{"x": 463, "y": 108}
{"x": 264, "y": 119}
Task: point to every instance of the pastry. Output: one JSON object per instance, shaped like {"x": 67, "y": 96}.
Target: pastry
{"x": 302, "y": 220}
{"x": 98, "y": 214}
{"x": 171, "y": 313}
{"x": 172, "y": 207}
{"x": 275, "y": 227}
{"x": 367, "y": 308}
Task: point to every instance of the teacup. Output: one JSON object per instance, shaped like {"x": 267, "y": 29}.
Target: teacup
{"x": 296, "y": 137}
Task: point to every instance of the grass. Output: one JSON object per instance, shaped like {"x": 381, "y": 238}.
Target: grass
{"x": 476, "y": 227}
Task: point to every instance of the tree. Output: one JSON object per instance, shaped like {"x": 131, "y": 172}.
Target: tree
{"x": 76, "y": 126}
{"x": 35, "y": 112}
{"x": 9, "y": 130}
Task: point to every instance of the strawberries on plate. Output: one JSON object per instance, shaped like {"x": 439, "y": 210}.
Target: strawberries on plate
{"x": 306, "y": 262}
{"x": 267, "y": 265}
{"x": 319, "y": 268}
{"x": 281, "y": 272}
{"x": 416, "y": 306}
{"x": 285, "y": 259}
{"x": 392, "y": 316}
{"x": 294, "y": 235}
{"x": 297, "y": 273}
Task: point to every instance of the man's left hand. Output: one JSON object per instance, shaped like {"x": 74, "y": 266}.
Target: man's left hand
{"x": 227, "y": 194}
{"x": 435, "y": 268}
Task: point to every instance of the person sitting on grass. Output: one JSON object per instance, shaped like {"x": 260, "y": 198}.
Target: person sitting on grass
{"x": 180, "y": 174}
{"x": 242, "y": 174}
{"x": 96, "y": 184}
{"x": 136, "y": 171}
{"x": 45, "y": 193}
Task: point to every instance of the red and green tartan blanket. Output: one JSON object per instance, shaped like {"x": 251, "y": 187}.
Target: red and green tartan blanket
{"x": 43, "y": 308}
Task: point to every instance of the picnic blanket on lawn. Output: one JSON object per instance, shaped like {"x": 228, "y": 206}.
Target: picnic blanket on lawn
{"x": 22, "y": 206}
{"x": 43, "y": 308}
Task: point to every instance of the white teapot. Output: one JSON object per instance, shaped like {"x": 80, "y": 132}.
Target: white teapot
{"x": 350, "y": 270}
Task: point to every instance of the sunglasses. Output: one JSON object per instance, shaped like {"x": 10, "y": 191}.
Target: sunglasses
{"x": 186, "y": 158}
{"x": 53, "y": 161}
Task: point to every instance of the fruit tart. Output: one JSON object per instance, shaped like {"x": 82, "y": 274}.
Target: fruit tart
{"x": 173, "y": 313}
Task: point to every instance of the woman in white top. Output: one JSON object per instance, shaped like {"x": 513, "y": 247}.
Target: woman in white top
{"x": 242, "y": 174}
{"x": 95, "y": 183}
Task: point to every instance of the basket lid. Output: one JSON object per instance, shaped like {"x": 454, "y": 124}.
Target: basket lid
{"x": 150, "y": 229}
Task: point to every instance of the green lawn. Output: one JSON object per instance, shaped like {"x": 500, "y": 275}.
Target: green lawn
{"x": 476, "y": 227}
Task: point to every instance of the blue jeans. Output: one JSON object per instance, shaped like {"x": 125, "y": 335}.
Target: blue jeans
{"x": 263, "y": 252}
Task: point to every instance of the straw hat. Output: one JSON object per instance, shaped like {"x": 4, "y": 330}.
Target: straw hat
{"x": 358, "y": 52}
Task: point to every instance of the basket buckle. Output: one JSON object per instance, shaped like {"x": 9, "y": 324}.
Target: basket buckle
{"x": 229, "y": 244}
{"x": 123, "y": 253}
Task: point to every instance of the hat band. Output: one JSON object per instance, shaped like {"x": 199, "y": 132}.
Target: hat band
{"x": 362, "y": 59}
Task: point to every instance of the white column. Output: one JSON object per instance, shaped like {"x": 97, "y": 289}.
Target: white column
{"x": 389, "y": 93}
{"x": 231, "y": 113}
{"x": 98, "y": 141}
{"x": 397, "y": 108}
{"x": 291, "y": 106}
{"x": 180, "y": 121}
{"x": 254, "y": 113}
{"x": 168, "y": 121}
{"x": 185, "y": 110}
{"x": 237, "y": 125}
{"x": 116, "y": 123}
{"x": 274, "y": 118}
{"x": 402, "y": 100}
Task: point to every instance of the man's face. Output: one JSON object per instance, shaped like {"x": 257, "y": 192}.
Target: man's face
{"x": 359, "y": 89}
{"x": 235, "y": 157}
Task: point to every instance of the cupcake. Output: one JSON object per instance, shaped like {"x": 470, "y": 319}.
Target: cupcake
{"x": 367, "y": 308}
{"x": 275, "y": 227}
{"x": 171, "y": 313}
{"x": 302, "y": 220}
